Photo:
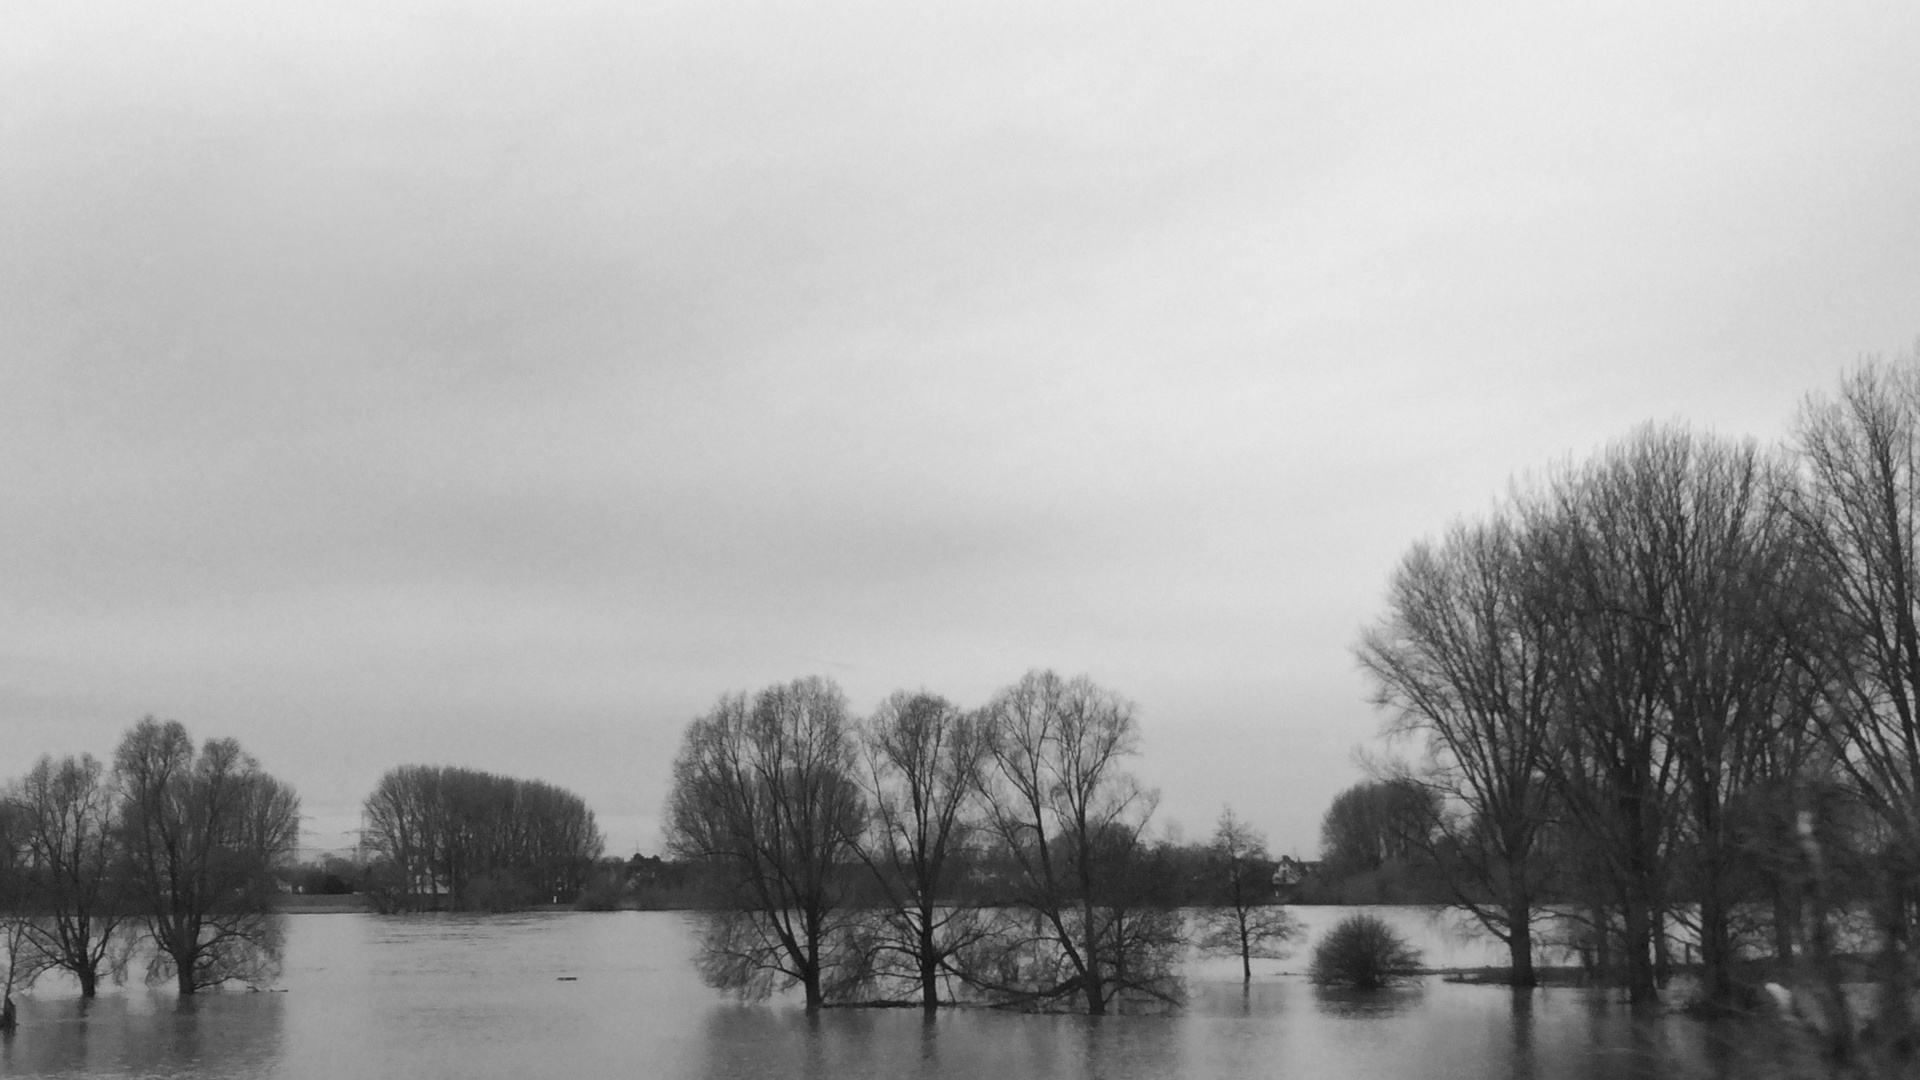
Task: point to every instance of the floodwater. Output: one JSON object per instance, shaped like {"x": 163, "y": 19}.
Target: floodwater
{"x": 614, "y": 995}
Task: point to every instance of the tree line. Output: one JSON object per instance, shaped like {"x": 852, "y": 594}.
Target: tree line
{"x": 928, "y": 853}
{"x": 1676, "y": 685}
{"x": 173, "y": 847}
{"x": 438, "y": 836}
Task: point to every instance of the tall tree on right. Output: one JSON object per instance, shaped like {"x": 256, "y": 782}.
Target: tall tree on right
{"x": 1860, "y": 511}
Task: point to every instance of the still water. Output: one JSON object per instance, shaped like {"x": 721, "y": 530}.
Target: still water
{"x": 614, "y": 995}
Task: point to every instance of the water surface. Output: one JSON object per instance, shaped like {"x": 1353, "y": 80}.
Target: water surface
{"x": 614, "y": 995}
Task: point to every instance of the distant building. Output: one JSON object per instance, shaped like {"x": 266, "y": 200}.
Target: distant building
{"x": 1291, "y": 872}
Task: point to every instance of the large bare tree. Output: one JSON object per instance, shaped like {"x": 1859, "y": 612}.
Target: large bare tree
{"x": 1860, "y": 512}
{"x": 67, "y": 814}
{"x": 203, "y": 831}
{"x": 764, "y": 794}
{"x": 1069, "y": 821}
{"x": 1462, "y": 659}
{"x": 923, "y": 765}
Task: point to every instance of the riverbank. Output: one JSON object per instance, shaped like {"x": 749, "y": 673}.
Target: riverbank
{"x": 320, "y": 903}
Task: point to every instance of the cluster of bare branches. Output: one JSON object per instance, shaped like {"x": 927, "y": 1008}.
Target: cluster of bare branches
{"x": 462, "y": 838}
{"x": 175, "y": 847}
{"x": 927, "y": 853}
{"x": 1645, "y": 681}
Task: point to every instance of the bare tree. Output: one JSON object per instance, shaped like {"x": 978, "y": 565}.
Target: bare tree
{"x": 203, "y": 834}
{"x": 1069, "y": 822}
{"x": 1674, "y": 578}
{"x": 1613, "y": 765}
{"x": 20, "y": 962}
{"x": 1462, "y": 658}
{"x": 1243, "y": 919}
{"x": 764, "y": 794}
{"x": 923, "y": 761}
{"x": 1860, "y": 513}
{"x": 67, "y": 812}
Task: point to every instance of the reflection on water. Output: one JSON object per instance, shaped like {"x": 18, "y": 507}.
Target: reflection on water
{"x": 1369, "y": 1004}
{"x": 613, "y": 995}
{"x": 148, "y": 1034}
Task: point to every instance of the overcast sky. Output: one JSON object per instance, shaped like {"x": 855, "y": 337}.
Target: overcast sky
{"x": 497, "y": 384}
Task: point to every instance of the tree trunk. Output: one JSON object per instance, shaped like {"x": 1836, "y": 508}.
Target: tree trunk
{"x": 929, "y": 964}
{"x": 1520, "y": 947}
{"x": 1090, "y": 975}
{"x": 1785, "y": 919}
{"x": 1641, "y": 986}
{"x": 1716, "y": 949}
{"x": 811, "y": 966}
{"x": 89, "y": 980}
{"x": 1246, "y": 947}
{"x": 1662, "y": 948}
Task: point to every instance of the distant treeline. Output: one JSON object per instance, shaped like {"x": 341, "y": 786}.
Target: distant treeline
{"x": 437, "y": 836}
{"x": 1679, "y": 684}
{"x": 174, "y": 848}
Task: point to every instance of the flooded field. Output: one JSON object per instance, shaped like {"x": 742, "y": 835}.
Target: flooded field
{"x": 614, "y": 995}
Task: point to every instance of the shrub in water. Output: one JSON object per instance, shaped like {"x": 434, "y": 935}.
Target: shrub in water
{"x": 1363, "y": 952}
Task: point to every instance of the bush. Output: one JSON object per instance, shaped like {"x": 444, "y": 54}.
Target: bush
{"x": 1363, "y": 952}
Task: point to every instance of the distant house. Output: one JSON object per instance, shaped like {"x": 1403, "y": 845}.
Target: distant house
{"x": 1290, "y": 872}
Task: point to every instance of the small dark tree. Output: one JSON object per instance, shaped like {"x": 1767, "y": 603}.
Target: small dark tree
{"x": 1364, "y": 953}
{"x": 1243, "y": 919}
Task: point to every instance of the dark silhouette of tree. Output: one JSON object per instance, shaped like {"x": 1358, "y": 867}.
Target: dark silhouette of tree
{"x": 923, "y": 760}
{"x": 20, "y": 962}
{"x": 1674, "y": 576}
{"x": 475, "y": 839}
{"x": 1462, "y": 658}
{"x": 67, "y": 815}
{"x": 1242, "y": 917}
{"x": 1364, "y": 953}
{"x": 1860, "y": 515}
{"x": 203, "y": 833}
{"x": 1069, "y": 820}
{"x": 1377, "y": 822}
{"x": 764, "y": 796}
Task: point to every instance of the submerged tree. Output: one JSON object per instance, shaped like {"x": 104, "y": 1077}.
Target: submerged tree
{"x": 20, "y": 962}
{"x": 1364, "y": 953}
{"x": 1462, "y": 658}
{"x": 923, "y": 762}
{"x": 1243, "y": 918}
{"x": 1068, "y": 820}
{"x": 203, "y": 833}
{"x": 764, "y": 796}
{"x": 67, "y": 816}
